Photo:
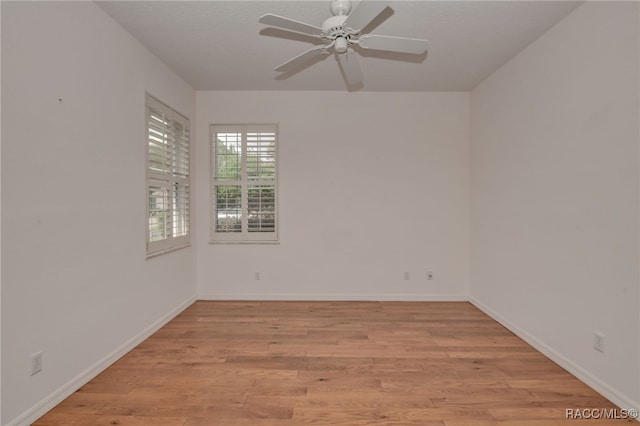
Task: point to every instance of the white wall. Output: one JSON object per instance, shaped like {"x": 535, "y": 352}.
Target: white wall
{"x": 75, "y": 282}
{"x": 554, "y": 195}
{"x": 370, "y": 185}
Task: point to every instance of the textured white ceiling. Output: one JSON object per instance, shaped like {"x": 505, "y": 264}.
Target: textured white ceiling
{"x": 219, "y": 45}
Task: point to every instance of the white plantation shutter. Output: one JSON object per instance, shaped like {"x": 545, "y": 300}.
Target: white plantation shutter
{"x": 168, "y": 186}
{"x": 244, "y": 183}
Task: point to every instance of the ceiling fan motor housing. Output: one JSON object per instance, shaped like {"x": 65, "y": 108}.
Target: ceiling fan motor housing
{"x": 334, "y": 32}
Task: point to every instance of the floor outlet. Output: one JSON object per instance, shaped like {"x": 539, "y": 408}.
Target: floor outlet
{"x": 36, "y": 363}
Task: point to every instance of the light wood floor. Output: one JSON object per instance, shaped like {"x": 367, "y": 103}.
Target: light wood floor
{"x": 331, "y": 363}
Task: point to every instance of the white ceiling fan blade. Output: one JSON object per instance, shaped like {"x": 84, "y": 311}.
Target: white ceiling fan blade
{"x": 395, "y": 44}
{"x": 364, "y": 12}
{"x": 290, "y": 24}
{"x": 303, "y": 57}
{"x": 350, "y": 67}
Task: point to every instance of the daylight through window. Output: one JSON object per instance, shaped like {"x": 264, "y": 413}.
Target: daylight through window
{"x": 244, "y": 207}
{"x": 167, "y": 178}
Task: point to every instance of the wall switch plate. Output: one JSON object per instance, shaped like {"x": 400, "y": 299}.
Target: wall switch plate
{"x": 36, "y": 363}
{"x": 598, "y": 341}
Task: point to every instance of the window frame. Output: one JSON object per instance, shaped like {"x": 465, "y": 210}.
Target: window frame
{"x": 244, "y": 236}
{"x": 171, "y": 181}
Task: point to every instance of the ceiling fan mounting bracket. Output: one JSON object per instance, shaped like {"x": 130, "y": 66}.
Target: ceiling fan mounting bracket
{"x": 340, "y": 7}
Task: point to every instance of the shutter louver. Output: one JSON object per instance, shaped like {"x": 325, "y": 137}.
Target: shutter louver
{"x": 261, "y": 156}
{"x": 262, "y": 208}
{"x": 168, "y": 166}
{"x": 158, "y": 212}
{"x": 228, "y": 208}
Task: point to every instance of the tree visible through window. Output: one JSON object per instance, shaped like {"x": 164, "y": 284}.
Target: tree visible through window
{"x": 244, "y": 183}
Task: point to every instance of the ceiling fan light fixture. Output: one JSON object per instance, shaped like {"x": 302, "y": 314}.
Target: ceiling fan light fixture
{"x": 341, "y": 44}
{"x": 340, "y": 7}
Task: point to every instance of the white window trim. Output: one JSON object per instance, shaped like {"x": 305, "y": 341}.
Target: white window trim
{"x": 171, "y": 243}
{"x": 243, "y": 237}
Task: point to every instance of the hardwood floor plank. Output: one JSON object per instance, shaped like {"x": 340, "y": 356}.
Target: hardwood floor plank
{"x": 330, "y": 363}
{"x": 336, "y": 416}
{"x": 55, "y": 419}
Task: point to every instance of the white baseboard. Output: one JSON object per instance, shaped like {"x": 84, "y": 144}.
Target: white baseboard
{"x": 382, "y": 297}
{"x": 46, "y": 404}
{"x": 622, "y": 401}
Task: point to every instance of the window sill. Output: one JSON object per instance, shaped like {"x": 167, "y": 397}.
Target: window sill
{"x": 165, "y": 251}
{"x": 245, "y": 242}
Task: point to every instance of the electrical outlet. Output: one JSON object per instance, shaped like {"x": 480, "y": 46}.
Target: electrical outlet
{"x": 36, "y": 363}
{"x": 406, "y": 276}
{"x": 430, "y": 275}
{"x": 258, "y": 276}
{"x": 598, "y": 341}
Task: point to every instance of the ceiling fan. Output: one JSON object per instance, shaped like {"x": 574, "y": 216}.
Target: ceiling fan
{"x": 341, "y": 33}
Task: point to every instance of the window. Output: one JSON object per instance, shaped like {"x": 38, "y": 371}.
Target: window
{"x": 167, "y": 178}
{"x": 244, "y": 188}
